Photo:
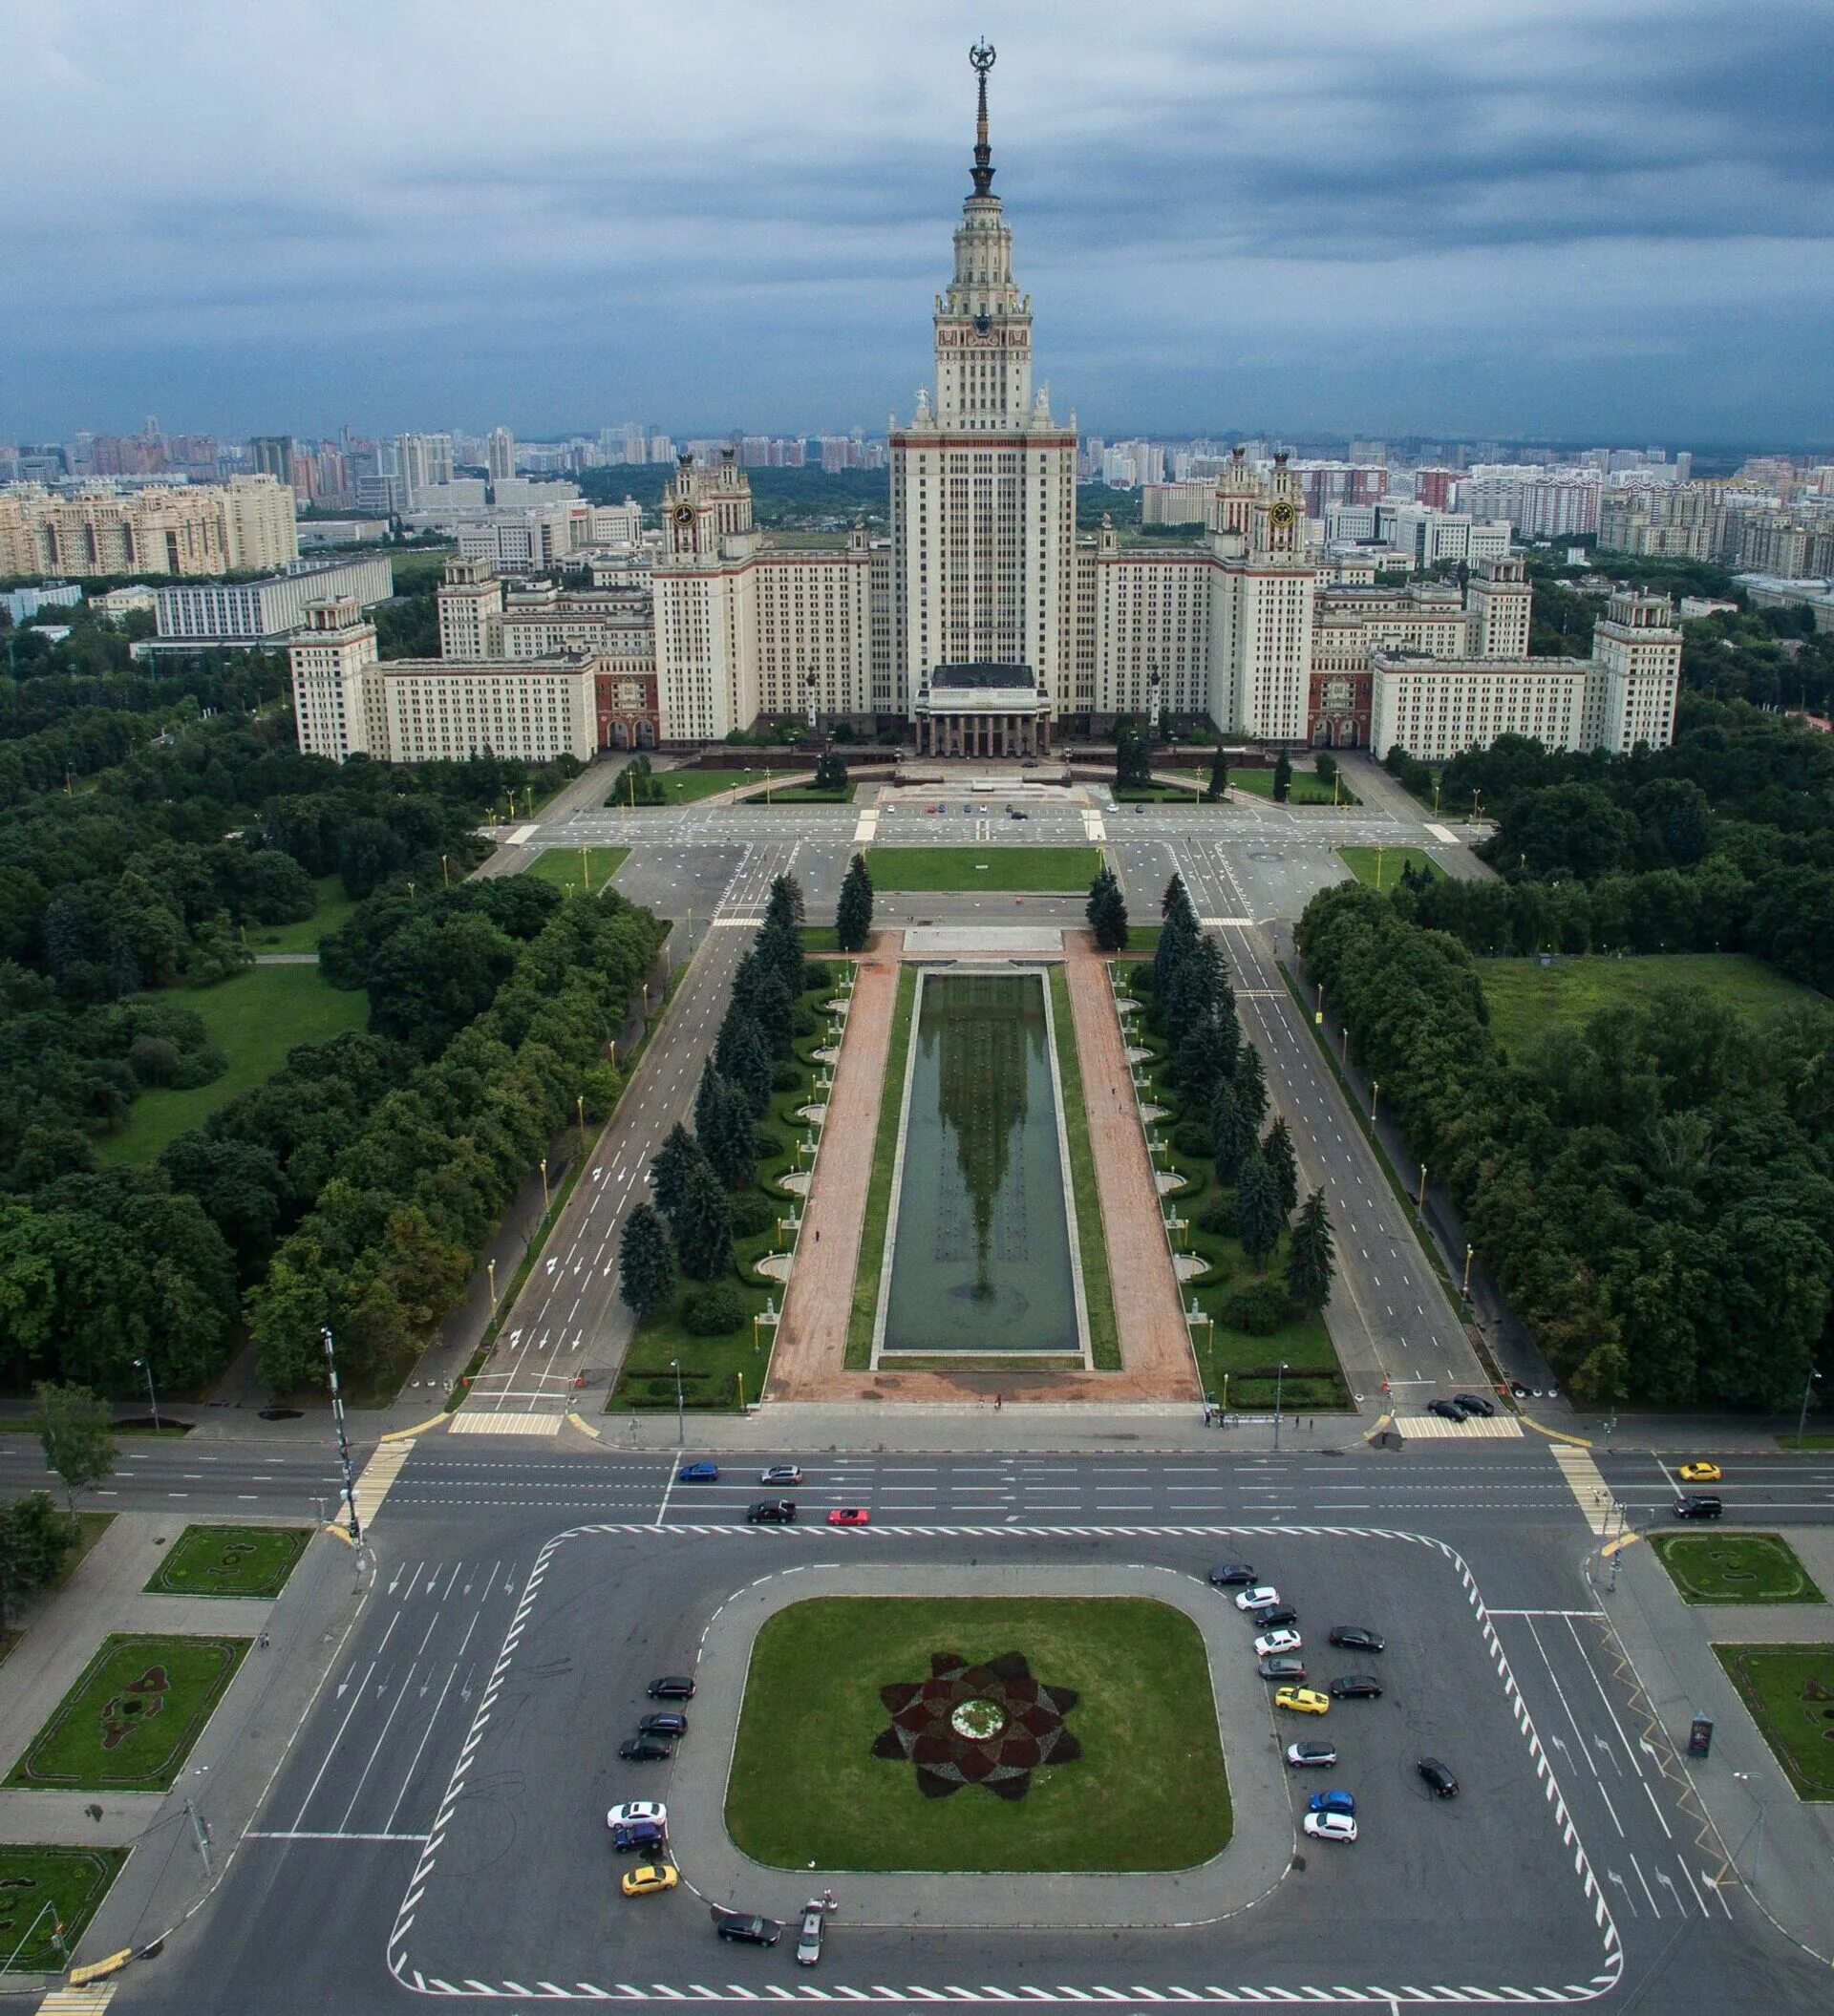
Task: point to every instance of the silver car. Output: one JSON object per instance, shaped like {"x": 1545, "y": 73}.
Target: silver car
{"x": 808, "y": 1934}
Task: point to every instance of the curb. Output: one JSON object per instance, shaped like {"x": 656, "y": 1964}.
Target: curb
{"x": 403, "y": 1435}
{"x": 1554, "y": 1434}
{"x": 583, "y": 1426}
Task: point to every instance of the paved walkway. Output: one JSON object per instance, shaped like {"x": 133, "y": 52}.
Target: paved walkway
{"x": 809, "y": 1360}
{"x": 1155, "y": 1342}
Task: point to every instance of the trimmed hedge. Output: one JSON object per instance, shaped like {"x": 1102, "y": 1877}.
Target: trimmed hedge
{"x": 715, "y": 1312}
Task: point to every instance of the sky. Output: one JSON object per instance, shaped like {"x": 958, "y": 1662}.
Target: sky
{"x": 1584, "y": 220}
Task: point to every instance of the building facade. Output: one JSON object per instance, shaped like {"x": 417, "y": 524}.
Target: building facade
{"x": 160, "y": 530}
{"x": 264, "y": 612}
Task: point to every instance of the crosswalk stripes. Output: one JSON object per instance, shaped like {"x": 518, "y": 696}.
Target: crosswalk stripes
{"x": 1587, "y": 1484}
{"x": 87, "y": 2000}
{"x": 1497, "y": 1428}
{"x": 470, "y": 1421}
{"x": 379, "y": 1474}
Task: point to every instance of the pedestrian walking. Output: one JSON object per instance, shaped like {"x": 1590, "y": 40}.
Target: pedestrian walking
{"x": 996, "y": 1403}
{"x": 261, "y": 1641}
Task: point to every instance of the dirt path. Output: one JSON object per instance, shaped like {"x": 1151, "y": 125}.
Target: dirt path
{"x": 808, "y": 1362}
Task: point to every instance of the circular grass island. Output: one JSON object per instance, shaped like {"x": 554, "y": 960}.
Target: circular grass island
{"x": 979, "y": 1734}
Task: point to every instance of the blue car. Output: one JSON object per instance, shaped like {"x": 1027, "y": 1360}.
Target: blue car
{"x": 698, "y": 1473}
{"x": 1332, "y": 1802}
{"x": 632, "y": 1835}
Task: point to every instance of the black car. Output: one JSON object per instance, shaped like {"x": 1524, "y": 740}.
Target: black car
{"x": 646, "y": 1750}
{"x": 1270, "y": 1614}
{"x": 1472, "y": 1404}
{"x": 671, "y": 1686}
{"x": 1444, "y": 1785}
{"x": 1446, "y": 1409}
{"x": 1356, "y": 1686}
{"x": 1697, "y": 1505}
{"x": 662, "y": 1726}
{"x": 773, "y": 1512}
{"x": 749, "y": 1929}
{"x": 1358, "y": 1638}
{"x": 1283, "y": 1666}
{"x": 1233, "y": 1574}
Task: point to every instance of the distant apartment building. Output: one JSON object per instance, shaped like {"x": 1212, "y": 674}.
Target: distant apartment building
{"x": 248, "y": 612}
{"x": 500, "y": 454}
{"x": 1677, "y": 522}
{"x": 190, "y": 530}
{"x": 1539, "y": 504}
{"x": 1173, "y": 503}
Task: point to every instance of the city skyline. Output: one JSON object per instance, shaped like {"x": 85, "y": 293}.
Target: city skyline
{"x": 1595, "y": 222}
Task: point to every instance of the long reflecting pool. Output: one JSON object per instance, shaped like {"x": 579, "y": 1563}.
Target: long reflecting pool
{"x": 981, "y": 1259}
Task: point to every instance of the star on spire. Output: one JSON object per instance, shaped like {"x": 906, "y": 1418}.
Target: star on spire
{"x": 981, "y": 57}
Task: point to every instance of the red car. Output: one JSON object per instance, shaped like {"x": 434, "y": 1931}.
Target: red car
{"x": 849, "y": 1515}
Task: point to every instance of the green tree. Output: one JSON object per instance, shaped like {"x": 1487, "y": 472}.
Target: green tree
{"x": 1133, "y": 759}
{"x": 1282, "y": 778}
{"x": 853, "y": 913}
{"x": 1231, "y": 1132}
{"x": 703, "y": 1226}
{"x": 774, "y": 1008}
{"x": 1251, "y": 1085}
{"x": 669, "y": 1173}
{"x": 1310, "y": 1258}
{"x": 783, "y": 905}
{"x": 831, "y": 773}
{"x": 723, "y": 1127}
{"x": 1278, "y": 1152}
{"x": 1324, "y": 766}
{"x": 742, "y": 1059}
{"x": 78, "y": 1431}
{"x": 35, "y": 1541}
{"x": 1218, "y": 787}
{"x": 646, "y": 1265}
{"x": 1107, "y": 911}
{"x": 1259, "y": 1218}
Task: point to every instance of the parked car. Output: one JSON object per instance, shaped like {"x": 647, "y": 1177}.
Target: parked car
{"x": 1283, "y": 1666}
{"x": 1700, "y": 1474}
{"x": 808, "y": 1934}
{"x": 782, "y": 1474}
{"x": 669, "y": 1724}
{"x": 1357, "y": 1686}
{"x": 634, "y": 1810}
{"x": 1473, "y": 1404}
{"x": 648, "y": 1877}
{"x": 1330, "y": 1827}
{"x": 1303, "y": 1701}
{"x": 849, "y": 1515}
{"x": 646, "y": 1750}
{"x": 1233, "y": 1574}
{"x": 772, "y": 1512}
{"x": 698, "y": 1473}
{"x": 1282, "y": 1640}
{"x": 1258, "y": 1597}
{"x": 1273, "y": 1615}
{"x": 1446, "y": 1409}
{"x": 671, "y": 1686}
{"x": 1439, "y": 1777}
{"x": 1304, "y": 1756}
{"x": 634, "y": 1836}
{"x": 1358, "y": 1638}
{"x": 1331, "y": 1803}
{"x": 1697, "y": 1505}
{"x": 749, "y": 1929}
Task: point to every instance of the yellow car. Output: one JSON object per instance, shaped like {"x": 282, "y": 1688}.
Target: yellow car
{"x": 648, "y": 1877}
{"x": 1701, "y": 1473}
{"x": 1303, "y": 1700}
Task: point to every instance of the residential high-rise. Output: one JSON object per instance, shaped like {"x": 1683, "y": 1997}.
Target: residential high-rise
{"x": 500, "y": 454}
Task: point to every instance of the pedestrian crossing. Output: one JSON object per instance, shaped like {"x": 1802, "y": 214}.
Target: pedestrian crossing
{"x": 1588, "y": 1483}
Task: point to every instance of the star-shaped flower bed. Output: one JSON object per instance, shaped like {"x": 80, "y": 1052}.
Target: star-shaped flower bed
{"x": 990, "y": 1725}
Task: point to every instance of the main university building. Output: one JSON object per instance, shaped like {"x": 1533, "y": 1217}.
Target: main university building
{"x": 986, "y": 626}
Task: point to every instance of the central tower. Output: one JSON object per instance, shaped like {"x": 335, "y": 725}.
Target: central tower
{"x": 983, "y": 505}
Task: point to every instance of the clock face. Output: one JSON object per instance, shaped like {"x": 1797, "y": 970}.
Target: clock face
{"x": 1283, "y": 514}
{"x": 684, "y": 514}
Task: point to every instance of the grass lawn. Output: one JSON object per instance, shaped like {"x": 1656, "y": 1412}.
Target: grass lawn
{"x": 1526, "y": 998}
{"x": 129, "y": 1721}
{"x": 230, "y": 1560}
{"x": 71, "y": 1882}
{"x": 1380, "y": 867}
{"x": 1789, "y": 1690}
{"x": 1149, "y": 1791}
{"x": 1028, "y": 869}
{"x": 687, "y": 787}
{"x": 563, "y": 866}
{"x": 1805, "y": 1442}
{"x": 1307, "y": 789}
{"x": 1098, "y": 1290}
{"x": 1735, "y": 1568}
{"x": 875, "y": 1232}
{"x": 801, "y": 795}
{"x": 255, "y": 1017}
{"x": 335, "y": 908}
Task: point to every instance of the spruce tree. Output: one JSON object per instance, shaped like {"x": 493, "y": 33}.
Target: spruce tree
{"x": 831, "y": 772}
{"x": 703, "y": 1226}
{"x": 774, "y": 1011}
{"x": 1206, "y": 1058}
{"x": 784, "y": 903}
{"x": 1258, "y": 1216}
{"x": 779, "y": 946}
{"x": 1107, "y": 911}
{"x": 743, "y": 1060}
{"x": 1282, "y": 779}
{"x": 645, "y": 1266}
{"x": 853, "y": 913}
{"x": 1252, "y": 1085}
{"x": 669, "y": 1172}
{"x": 1311, "y": 1260}
{"x": 709, "y": 1095}
{"x": 1231, "y": 1133}
{"x": 1219, "y": 783}
{"x": 1278, "y": 1152}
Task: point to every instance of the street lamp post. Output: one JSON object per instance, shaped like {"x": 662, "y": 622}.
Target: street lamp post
{"x": 681, "y": 1417}
{"x": 1464, "y": 1286}
{"x": 1419, "y": 1202}
{"x": 146, "y": 1365}
{"x": 343, "y": 1441}
{"x": 1279, "y": 1387}
{"x": 1375, "y": 1099}
{"x": 490, "y": 1270}
{"x": 544, "y": 1202}
{"x": 1801, "y": 1419}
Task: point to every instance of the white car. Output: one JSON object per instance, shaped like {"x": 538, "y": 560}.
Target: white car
{"x": 1330, "y": 1826}
{"x": 634, "y": 1810}
{"x": 1257, "y": 1598}
{"x": 1281, "y": 1641}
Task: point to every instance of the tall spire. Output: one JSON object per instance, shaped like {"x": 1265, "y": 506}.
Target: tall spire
{"x": 981, "y": 57}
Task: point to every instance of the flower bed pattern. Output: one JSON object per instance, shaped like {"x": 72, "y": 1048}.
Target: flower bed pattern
{"x": 933, "y": 1723}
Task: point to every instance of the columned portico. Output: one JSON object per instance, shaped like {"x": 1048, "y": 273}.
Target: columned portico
{"x": 992, "y": 711}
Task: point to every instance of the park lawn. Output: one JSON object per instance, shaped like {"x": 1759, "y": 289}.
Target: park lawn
{"x": 1006, "y": 869}
{"x": 687, "y": 787}
{"x": 1380, "y": 867}
{"x": 1526, "y": 998}
{"x": 1098, "y": 1288}
{"x": 875, "y": 1232}
{"x": 563, "y": 866}
{"x": 1306, "y": 790}
{"x": 230, "y": 1560}
{"x": 1147, "y": 1791}
{"x": 1789, "y": 1690}
{"x": 334, "y": 907}
{"x": 1735, "y": 1568}
{"x": 130, "y": 1719}
{"x": 255, "y": 1017}
{"x": 70, "y": 1881}
{"x": 1806, "y": 1441}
